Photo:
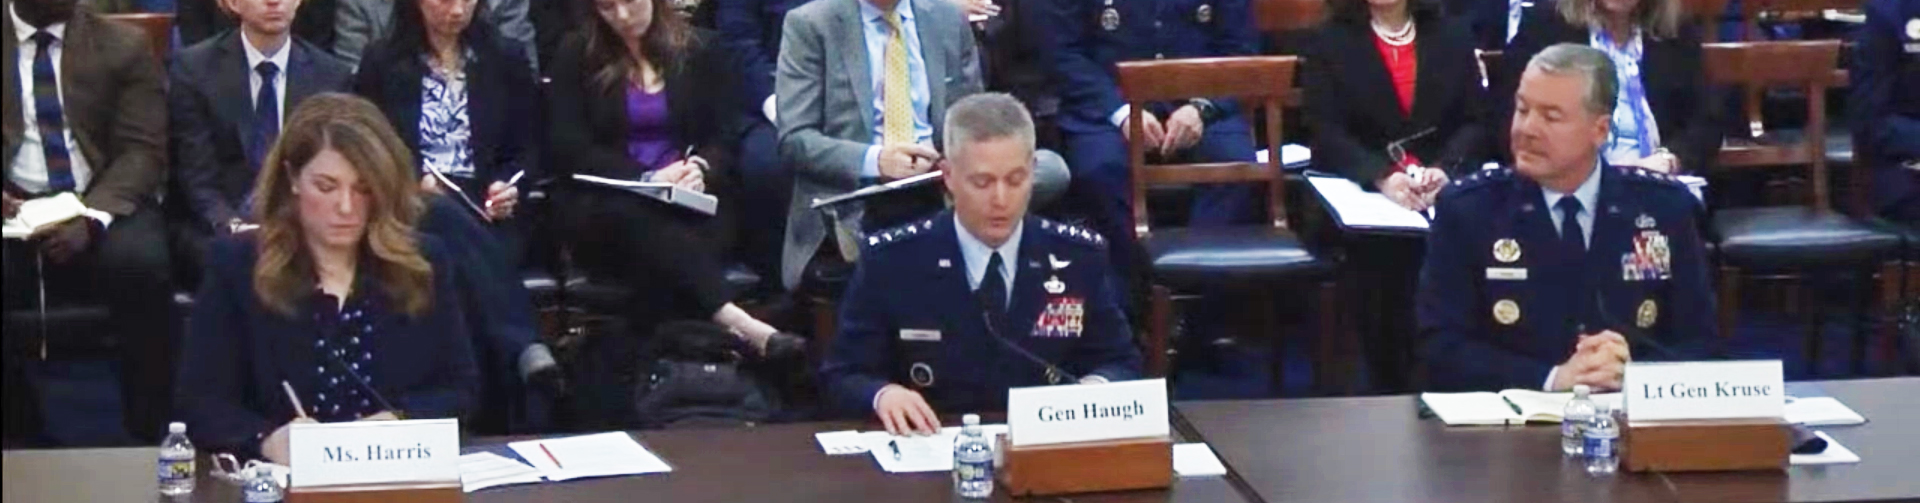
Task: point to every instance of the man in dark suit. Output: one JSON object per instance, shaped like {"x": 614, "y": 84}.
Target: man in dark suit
{"x": 227, "y": 98}
{"x": 199, "y": 20}
{"x": 1886, "y": 105}
{"x": 85, "y": 114}
{"x": 1561, "y": 269}
{"x": 947, "y": 313}
{"x": 1096, "y": 35}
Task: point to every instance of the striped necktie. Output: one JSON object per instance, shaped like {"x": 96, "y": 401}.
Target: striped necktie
{"x": 50, "y": 118}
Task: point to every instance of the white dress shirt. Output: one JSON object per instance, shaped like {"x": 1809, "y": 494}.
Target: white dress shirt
{"x": 28, "y": 170}
{"x": 279, "y": 60}
{"x": 29, "y": 166}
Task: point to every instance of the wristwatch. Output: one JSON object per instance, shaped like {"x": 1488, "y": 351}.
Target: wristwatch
{"x": 1208, "y": 112}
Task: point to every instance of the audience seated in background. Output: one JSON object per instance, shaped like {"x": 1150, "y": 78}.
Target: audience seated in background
{"x": 335, "y": 309}
{"x": 1017, "y": 58}
{"x": 361, "y": 24}
{"x": 1494, "y": 22}
{"x": 639, "y": 95}
{"x": 841, "y": 129}
{"x": 1530, "y": 283}
{"x": 1665, "y": 118}
{"x": 982, "y": 294}
{"x": 1886, "y": 106}
{"x": 1095, "y": 36}
{"x": 1379, "y": 132}
{"x": 226, "y": 100}
{"x": 85, "y": 113}
{"x": 199, "y": 20}
{"x": 465, "y": 103}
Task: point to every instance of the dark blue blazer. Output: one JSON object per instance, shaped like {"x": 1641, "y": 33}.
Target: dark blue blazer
{"x": 237, "y": 352}
{"x": 750, "y": 29}
{"x": 1088, "y": 51}
{"x": 1886, "y": 101}
{"x": 1466, "y": 347}
{"x": 210, "y": 114}
{"x": 912, "y": 280}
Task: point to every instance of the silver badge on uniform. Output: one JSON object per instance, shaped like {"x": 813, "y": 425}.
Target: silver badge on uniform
{"x": 1644, "y": 221}
{"x": 921, "y": 373}
{"x": 1110, "y": 19}
{"x": 1203, "y": 14}
{"x": 1913, "y": 29}
{"x": 1055, "y": 286}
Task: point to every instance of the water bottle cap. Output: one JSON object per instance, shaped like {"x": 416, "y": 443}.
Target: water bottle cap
{"x": 1581, "y": 390}
{"x": 970, "y": 420}
{"x": 176, "y": 427}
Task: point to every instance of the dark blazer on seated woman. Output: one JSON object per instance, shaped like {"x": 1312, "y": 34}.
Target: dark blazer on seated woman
{"x": 502, "y": 101}
{"x": 1671, "y": 68}
{"x": 1354, "y": 111}
{"x": 238, "y": 351}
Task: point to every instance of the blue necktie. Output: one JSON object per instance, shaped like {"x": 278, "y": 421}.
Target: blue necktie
{"x": 50, "y": 118}
{"x": 993, "y": 291}
{"x": 266, "y": 114}
{"x": 1572, "y": 237}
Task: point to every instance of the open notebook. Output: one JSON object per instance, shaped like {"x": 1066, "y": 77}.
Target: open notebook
{"x": 1514, "y": 406}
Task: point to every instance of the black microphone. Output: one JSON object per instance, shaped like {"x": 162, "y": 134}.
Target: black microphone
{"x": 362, "y": 382}
{"x": 1632, "y": 334}
{"x": 1054, "y": 374}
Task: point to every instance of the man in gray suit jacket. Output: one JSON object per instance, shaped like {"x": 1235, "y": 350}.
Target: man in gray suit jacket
{"x": 831, "y": 107}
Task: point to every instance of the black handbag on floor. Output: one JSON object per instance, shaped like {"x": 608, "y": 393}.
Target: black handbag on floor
{"x": 694, "y": 377}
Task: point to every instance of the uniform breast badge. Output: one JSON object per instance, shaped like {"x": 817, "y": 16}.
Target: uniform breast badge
{"x": 921, "y": 373}
{"x": 1063, "y": 317}
{"x": 1110, "y": 17}
{"x": 1649, "y": 313}
{"x": 1506, "y": 311}
{"x": 1506, "y": 250}
{"x": 1203, "y": 14}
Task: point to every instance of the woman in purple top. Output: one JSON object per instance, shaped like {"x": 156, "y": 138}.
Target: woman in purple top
{"x": 640, "y": 96}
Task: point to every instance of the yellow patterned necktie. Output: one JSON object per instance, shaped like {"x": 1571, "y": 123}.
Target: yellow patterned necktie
{"x": 897, "y": 118}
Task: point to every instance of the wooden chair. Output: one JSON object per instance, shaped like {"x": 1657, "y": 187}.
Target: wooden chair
{"x": 1707, "y": 13}
{"x": 1785, "y": 241}
{"x": 1245, "y": 258}
{"x": 1288, "y": 26}
{"x": 158, "y": 27}
{"x": 1751, "y": 14}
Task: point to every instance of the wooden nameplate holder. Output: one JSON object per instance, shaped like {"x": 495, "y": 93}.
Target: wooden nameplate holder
{"x": 1706, "y": 445}
{"x": 441, "y": 492}
{"x": 1085, "y": 467}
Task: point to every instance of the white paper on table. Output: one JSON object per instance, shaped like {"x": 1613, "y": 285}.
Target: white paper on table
{"x": 1291, "y": 154}
{"x": 598, "y": 455}
{"x": 928, "y": 453}
{"x": 1834, "y": 455}
{"x": 482, "y": 470}
{"x": 36, "y": 214}
{"x": 1821, "y": 411}
{"x": 1357, "y": 208}
{"x": 1196, "y": 460}
{"x": 838, "y": 443}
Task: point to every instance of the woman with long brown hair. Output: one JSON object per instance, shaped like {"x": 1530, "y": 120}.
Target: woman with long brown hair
{"x": 336, "y": 309}
{"x": 638, "y": 94}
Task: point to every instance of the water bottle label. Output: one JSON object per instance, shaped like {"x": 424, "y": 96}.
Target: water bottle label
{"x": 1569, "y": 428}
{"x": 1599, "y": 447}
{"x": 176, "y": 469}
{"x": 263, "y": 497}
{"x": 970, "y": 471}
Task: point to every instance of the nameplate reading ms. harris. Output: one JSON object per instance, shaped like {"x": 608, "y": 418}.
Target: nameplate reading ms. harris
{"x": 1087, "y": 412}
{"x": 1705, "y": 390}
{"x": 375, "y": 452}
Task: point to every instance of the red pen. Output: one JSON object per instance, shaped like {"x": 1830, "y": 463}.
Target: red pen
{"x": 550, "y": 457}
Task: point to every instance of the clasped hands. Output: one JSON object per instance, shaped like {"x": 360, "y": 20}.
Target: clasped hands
{"x": 1599, "y": 361}
{"x": 1182, "y": 130}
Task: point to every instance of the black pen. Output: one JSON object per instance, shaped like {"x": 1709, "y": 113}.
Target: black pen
{"x": 895, "y": 445}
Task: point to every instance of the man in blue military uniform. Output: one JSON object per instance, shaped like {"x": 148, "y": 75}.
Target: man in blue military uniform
{"x": 1886, "y": 105}
{"x": 947, "y": 313}
{"x": 1094, "y": 36}
{"x": 1561, "y": 269}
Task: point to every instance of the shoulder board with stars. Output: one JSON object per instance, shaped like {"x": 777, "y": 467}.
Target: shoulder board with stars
{"x": 1483, "y": 178}
{"x": 899, "y": 234}
{"x": 1647, "y": 176}
{"x": 1073, "y": 233}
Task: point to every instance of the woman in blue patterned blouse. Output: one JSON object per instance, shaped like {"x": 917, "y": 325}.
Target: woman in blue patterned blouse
{"x": 464, "y": 102}
{"x": 336, "y": 309}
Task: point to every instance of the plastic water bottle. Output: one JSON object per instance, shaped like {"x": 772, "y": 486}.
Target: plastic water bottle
{"x": 262, "y": 487}
{"x": 1603, "y": 443}
{"x": 1573, "y": 420}
{"x": 972, "y": 461}
{"x": 176, "y": 462}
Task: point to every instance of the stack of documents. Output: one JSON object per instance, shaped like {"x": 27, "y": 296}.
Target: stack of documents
{"x": 1196, "y": 460}
{"x": 1514, "y": 406}
{"x": 598, "y": 455}
{"x": 840, "y": 443}
{"x": 483, "y": 470}
{"x": 1821, "y": 411}
{"x": 672, "y": 195}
